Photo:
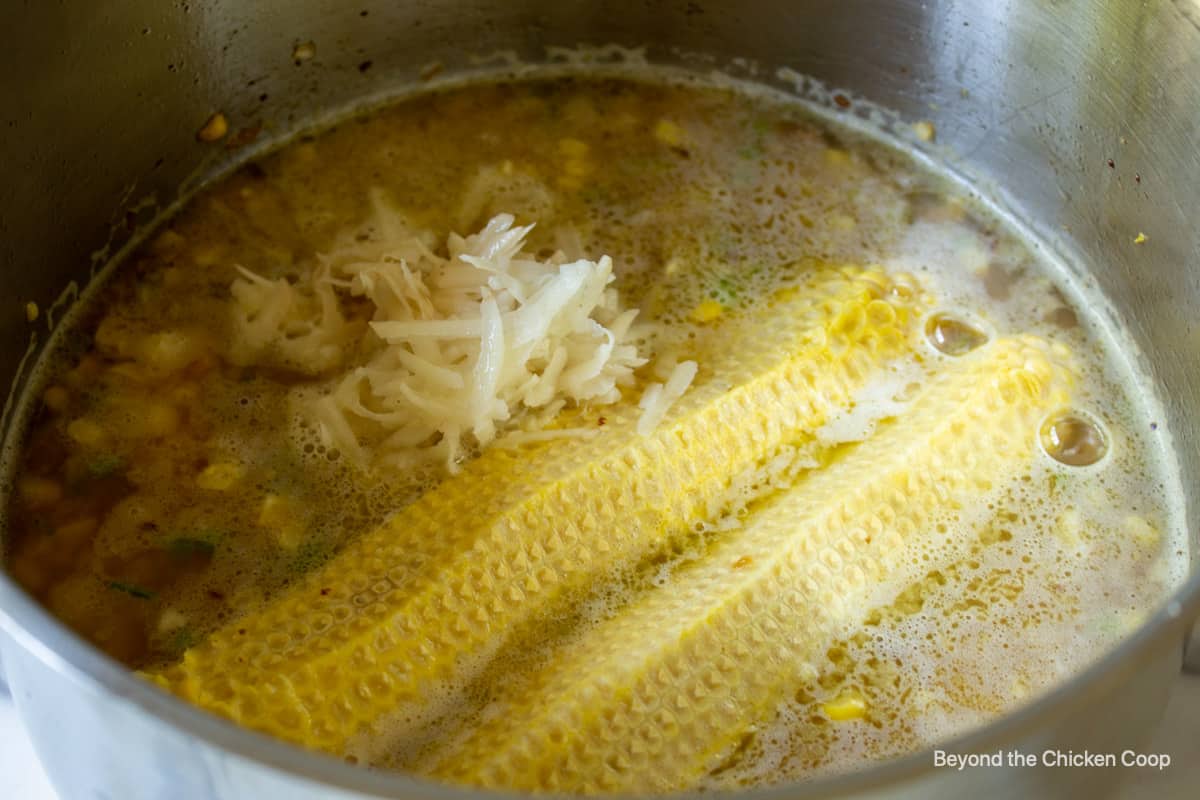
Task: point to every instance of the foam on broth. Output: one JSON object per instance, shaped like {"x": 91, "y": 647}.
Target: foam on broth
{"x": 701, "y": 195}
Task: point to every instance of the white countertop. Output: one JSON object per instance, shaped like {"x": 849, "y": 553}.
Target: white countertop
{"x": 21, "y": 776}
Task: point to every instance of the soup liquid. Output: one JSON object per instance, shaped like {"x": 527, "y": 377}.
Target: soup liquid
{"x": 142, "y": 516}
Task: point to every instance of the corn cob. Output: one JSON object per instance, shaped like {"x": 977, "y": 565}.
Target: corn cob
{"x": 652, "y": 699}
{"x": 438, "y": 587}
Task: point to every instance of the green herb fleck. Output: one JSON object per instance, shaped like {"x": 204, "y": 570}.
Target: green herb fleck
{"x": 181, "y": 640}
{"x": 132, "y": 590}
{"x": 308, "y": 556}
{"x": 726, "y": 291}
{"x": 1059, "y": 482}
{"x": 184, "y": 547}
{"x": 105, "y": 465}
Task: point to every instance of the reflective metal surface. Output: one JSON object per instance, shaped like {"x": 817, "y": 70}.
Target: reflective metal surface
{"x": 103, "y": 101}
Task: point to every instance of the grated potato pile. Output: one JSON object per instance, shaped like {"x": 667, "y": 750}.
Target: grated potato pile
{"x": 449, "y": 353}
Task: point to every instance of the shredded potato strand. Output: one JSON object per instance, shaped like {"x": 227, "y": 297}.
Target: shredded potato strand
{"x": 456, "y": 349}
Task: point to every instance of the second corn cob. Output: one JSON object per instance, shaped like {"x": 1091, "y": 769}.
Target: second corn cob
{"x": 652, "y": 699}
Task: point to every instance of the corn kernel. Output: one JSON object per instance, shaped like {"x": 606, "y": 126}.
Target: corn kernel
{"x": 1069, "y": 527}
{"x": 577, "y": 169}
{"x": 220, "y": 477}
{"x": 76, "y": 532}
{"x": 168, "y": 351}
{"x": 172, "y": 276}
{"x": 40, "y": 492}
{"x": 31, "y": 311}
{"x": 276, "y": 515}
{"x": 304, "y": 51}
{"x": 29, "y": 572}
{"x": 113, "y": 337}
{"x": 273, "y": 511}
{"x": 573, "y": 148}
{"x": 843, "y": 222}
{"x": 86, "y": 432}
{"x": 185, "y": 394}
{"x": 707, "y": 311}
{"x": 1141, "y": 531}
{"x": 214, "y": 128}
{"x": 784, "y": 295}
{"x": 171, "y": 619}
{"x": 288, "y": 537}
{"x": 167, "y": 241}
{"x": 158, "y": 420}
{"x": 668, "y": 133}
{"x": 925, "y": 130}
{"x": 846, "y": 707}
{"x": 205, "y": 255}
{"x": 130, "y": 372}
{"x": 56, "y": 399}
{"x": 837, "y": 157}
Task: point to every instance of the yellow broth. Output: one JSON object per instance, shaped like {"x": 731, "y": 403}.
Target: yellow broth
{"x": 164, "y": 491}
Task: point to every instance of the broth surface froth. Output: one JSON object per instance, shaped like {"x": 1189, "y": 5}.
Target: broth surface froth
{"x": 907, "y": 484}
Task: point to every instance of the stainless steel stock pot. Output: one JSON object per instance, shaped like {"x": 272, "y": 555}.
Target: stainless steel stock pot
{"x": 102, "y": 102}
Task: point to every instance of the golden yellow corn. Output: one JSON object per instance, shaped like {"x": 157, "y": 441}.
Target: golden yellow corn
{"x": 56, "y": 399}
{"x": 845, "y": 707}
{"x": 573, "y": 148}
{"x": 429, "y": 595}
{"x": 655, "y": 697}
{"x": 668, "y": 133}
{"x": 277, "y": 515}
{"x": 40, "y": 493}
{"x": 707, "y": 311}
{"x": 86, "y": 432}
{"x": 220, "y": 477}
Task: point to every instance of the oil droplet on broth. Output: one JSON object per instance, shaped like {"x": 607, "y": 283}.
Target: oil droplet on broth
{"x": 1074, "y": 439}
{"x": 953, "y": 336}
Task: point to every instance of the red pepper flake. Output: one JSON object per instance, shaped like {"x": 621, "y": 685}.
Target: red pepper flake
{"x": 1137, "y": 177}
{"x": 324, "y": 592}
{"x": 602, "y": 421}
{"x": 841, "y": 100}
{"x": 1112, "y": 164}
{"x": 215, "y": 595}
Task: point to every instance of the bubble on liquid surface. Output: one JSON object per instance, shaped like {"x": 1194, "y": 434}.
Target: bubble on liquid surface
{"x": 952, "y": 335}
{"x": 1074, "y": 438}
